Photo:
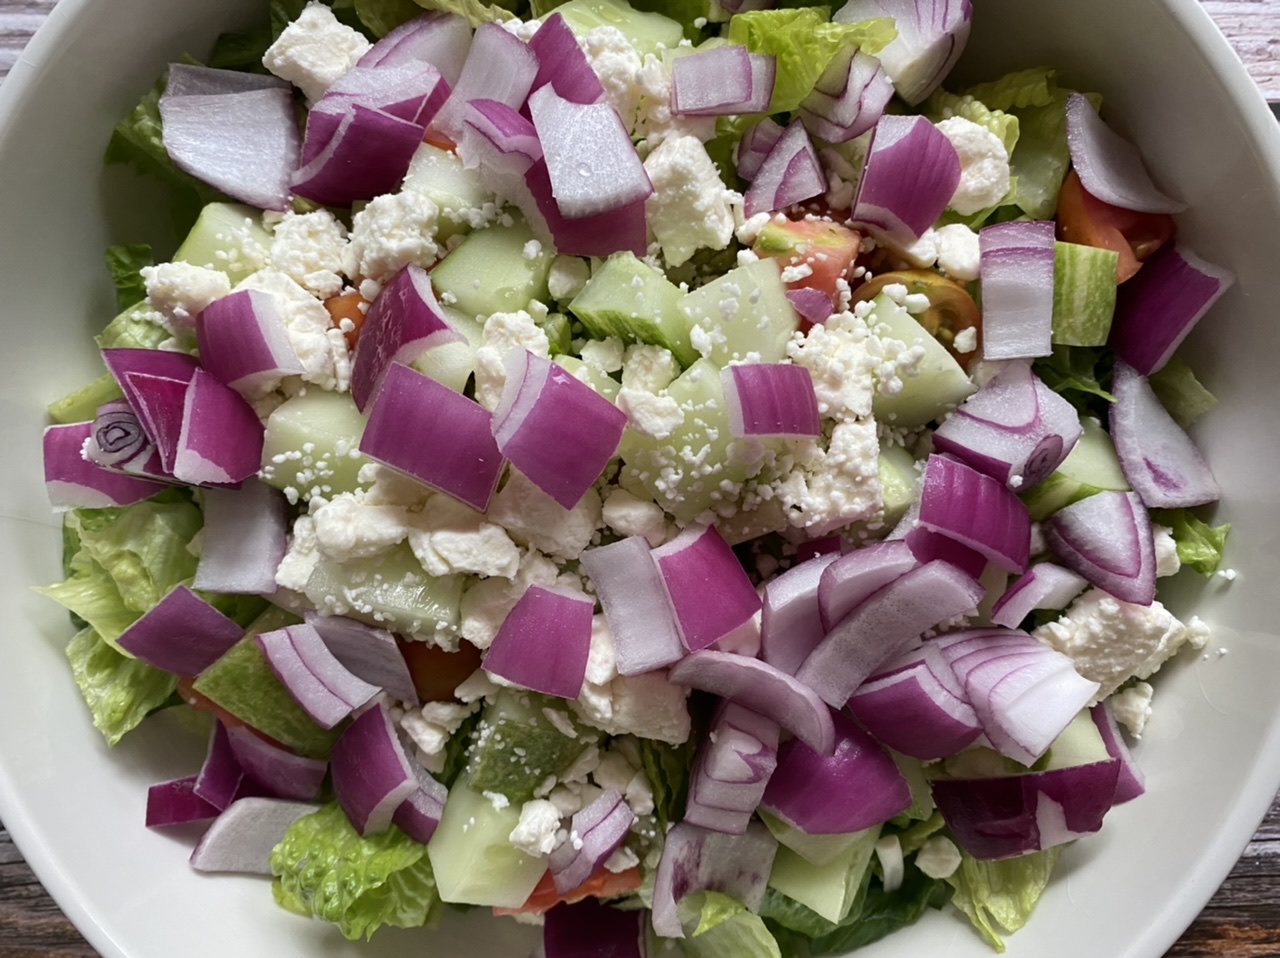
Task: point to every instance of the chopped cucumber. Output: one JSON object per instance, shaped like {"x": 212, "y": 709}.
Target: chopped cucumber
{"x": 633, "y": 301}
{"x": 941, "y": 384}
{"x": 82, "y": 405}
{"x": 1080, "y": 743}
{"x": 440, "y": 176}
{"x": 1091, "y": 466}
{"x": 227, "y": 237}
{"x": 647, "y": 32}
{"x": 500, "y": 269}
{"x": 820, "y": 850}
{"x": 597, "y": 379}
{"x": 830, "y": 890}
{"x": 312, "y": 445}
{"x": 521, "y": 742}
{"x": 1084, "y": 294}
{"x": 744, "y": 313}
{"x": 133, "y": 329}
{"x": 450, "y": 364}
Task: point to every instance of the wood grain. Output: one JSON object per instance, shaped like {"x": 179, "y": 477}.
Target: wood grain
{"x": 1241, "y": 921}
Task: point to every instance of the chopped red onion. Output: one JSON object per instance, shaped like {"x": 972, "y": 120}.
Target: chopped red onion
{"x": 848, "y": 98}
{"x": 244, "y": 539}
{"x": 592, "y": 164}
{"x": 1016, "y": 271}
{"x": 754, "y": 146}
{"x": 977, "y": 511}
{"x": 221, "y": 437}
{"x": 910, "y": 176}
{"x": 931, "y": 36}
{"x": 243, "y": 342}
{"x": 761, "y": 688}
{"x": 855, "y": 576}
{"x": 163, "y": 363}
{"x": 885, "y": 624}
{"x": 1015, "y": 428}
{"x": 592, "y": 929}
{"x": 368, "y": 652}
{"x": 709, "y": 591}
{"x": 544, "y": 641}
{"x": 441, "y": 39}
{"x": 812, "y": 304}
{"x": 855, "y": 786}
{"x": 1109, "y": 166}
{"x": 242, "y": 838}
{"x": 72, "y": 482}
{"x": 562, "y": 63}
{"x": 621, "y": 230}
{"x": 770, "y": 399}
{"x": 501, "y": 145}
{"x": 627, "y": 582}
{"x": 418, "y": 816}
{"x": 542, "y": 413}
{"x": 823, "y": 545}
{"x": 1131, "y": 782}
{"x": 116, "y": 438}
{"x": 159, "y": 402}
{"x": 1044, "y": 586}
{"x": 245, "y": 143}
{"x": 927, "y": 546}
{"x": 434, "y": 435}
{"x": 282, "y": 773}
{"x": 192, "y": 79}
{"x": 732, "y": 768}
{"x": 697, "y": 859}
{"x": 499, "y": 66}
{"x": 1107, "y": 538}
{"x": 791, "y": 623}
{"x": 367, "y": 155}
{"x": 220, "y": 777}
{"x": 790, "y": 173}
{"x": 324, "y": 665}
{"x": 594, "y": 833}
{"x": 371, "y": 773}
{"x": 324, "y": 708}
{"x": 182, "y": 634}
{"x": 721, "y": 81}
{"x": 176, "y": 803}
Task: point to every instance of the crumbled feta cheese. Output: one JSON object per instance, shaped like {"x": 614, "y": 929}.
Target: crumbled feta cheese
{"x": 319, "y": 345}
{"x": 748, "y": 230}
{"x": 1167, "y": 561}
{"x": 602, "y": 661}
{"x": 938, "y": 857}
{"x": 180, "y": 291}
{"x": 957, "y": 247}
{"x": 622, "y": 859}
{"x": 614, "y": 771}
{"x": 831, "y": 488}
{"x": 347, "y": 527}
{"x": 486, "y": 603}
{"x": 502, "y": 333}
{"x": 315, "y": 50}
{"x": 648, "y": 414}
{"x": 965, "y": 341}
{"x": 521, "y": 29}
{"x": 310, "y": 248}
{"x": 639, "y": 794}
{"x": 842, "y": 356}
{"x": 567, "y": 277}
{"x": 533, "y": 518}
{"x": 475, "y": 687}
{"x": 646, "y": 705}
{"x": 535, "y": 835}
{"x": 690, "y": 208}
{"x": 391, "y": 232}
{"x": 450, "y": 537}
{"x": 586, "y": 763}
{"x": 1111, "y": 641}
{"x": 567, "y": 799}
{"x": 923, "y": 252}
{"x": 301, "y": 558}
{"x": 1132, "y": 707}
{"x": 390, "y": 488}
{"x": 617, "y": 64}
{"x": 430, "y": 728}
{"x": 603, "y": 354}
{"x": 984, "y": 165}
{"x": 647, "y": 367}
{"x": 628, "y": 515}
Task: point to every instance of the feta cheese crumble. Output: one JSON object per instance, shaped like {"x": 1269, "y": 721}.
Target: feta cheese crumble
{"x": 315, "y": 50}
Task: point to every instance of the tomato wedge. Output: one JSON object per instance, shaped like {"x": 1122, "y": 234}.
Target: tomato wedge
{"x": 951, "y": 309}
{"x": 347, "y": 306}
{"x": 823, "y": 250}
{"x": 437, "y": 672}
{"x": 1087, "y": 220}
{"x": 603, "y": 884}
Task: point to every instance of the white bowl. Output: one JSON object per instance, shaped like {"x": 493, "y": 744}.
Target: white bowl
{"x": 1212, "y": 752}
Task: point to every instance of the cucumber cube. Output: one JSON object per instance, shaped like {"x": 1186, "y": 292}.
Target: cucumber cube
{"x": 312, "y": 445}
{"x": 631, "y": 300}
{"x": 500, "y": 269}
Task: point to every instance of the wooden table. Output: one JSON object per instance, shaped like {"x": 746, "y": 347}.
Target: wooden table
{"x": 1243, "y": 918}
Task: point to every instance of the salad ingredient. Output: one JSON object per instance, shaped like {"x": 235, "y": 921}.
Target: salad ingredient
{"x": 721, "y": 81}
{"x": 629, "y": 587}
{"x": 562, "y": 63}
{"x": 498, "y": 67}
{"x": 696, "y": 859}
{"x": 595, "y": 832}
{"x": 1131, "y": 782}
{"x": 371, "y": 773}
{"x": 1044, "y": 586}
{"x": 588, "y": 929}
{"x": 315, "y": 655}
{"x": 418, "y": 816}
{"x": 1084, "y": 219}
{"x": 848, "y": 98}
{"x": 770, "y": 399}
{"x": 931, "y": 37}
{"x": 708, "y": 590}
{"x": 72, "y": 482}
{"x": 544, "y": 642}
{"x": 278, "y": 770}
{"x": 1017, "y": 262}
{"x": 242, "y": 837}
{"x": 176, "y": 803}
{"x": 731, "y": 769}
{"x": 433, "y": 37}
{"x": 220, "y": 777}
{"x": 243, "y": 540}
{"x": 325, "y": 707}
{"x": 791, "y": 624}
{"x": 1084, "y": 294}
{"x": 372, "y": 141}
{"x": 910, "y": 176}
{"x": 116, "y": 436}
{"x": 790, "y": 173}
{"x": 243, "y": 343}
{"x": 182, "y": 634}
{"x": 976, "y": 510}
{"x": 369, "y": 653}
{"x": 1107, "y": 539}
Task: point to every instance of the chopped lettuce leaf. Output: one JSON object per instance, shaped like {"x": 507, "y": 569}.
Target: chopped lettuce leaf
{"x": 1041, "y": 157}
{"x": 1181, "y": 393}
{"x": 1200, "y": 545}
{"x": 125, "y": 263}
{"x": 1000, "y": 895}
{"x": 916, "y": 834}
{"x": 1036, "y": 86}
{"x": 119, "y": 691}
{"x": 82, "y": 405}
{"x": 91, "y": 596}
{"x": 380, "y": 17}
{"x": 474, "y": 11}
{"x": 718, "y": 926}
{"x": 325, "y": 869}
{"x": 667, "y": 768}
{"x": 243, "y": 50}
{"x": 682, "y": 11}
{"x": 805, "y": 41}
{"x": 241, "y": 609}
{"x": 1073, "y": 372}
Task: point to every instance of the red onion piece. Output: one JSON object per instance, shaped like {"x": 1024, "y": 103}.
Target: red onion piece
{"x": 754, "y": 146}
{"x": 368, "y": 652}
{"x": 1044, "y": 586}
{"x": 594, "y": 833}
{"x": 74, "y": 483}
{"x": 371, "y": 773}
{"x": 1131, "y": 782}
{"x": 709, "y": 591}
{"x": 151, "y": 362}
{"x": 242, "y": 838}
{"x": 413, "y": 92}
{"x": 543, "y": 411}
{"x": 770, "y": 399}
{"x": 244, "y": 344}
{"x": 812, "y": 304}
{"x": 732, "y": 768}
{"x": 1109, "y": 166}
{"x": 977, "y": 511}
{"x": 220, "y": 777}
{"x": 367, "y": 155}
{"x": 512, "y": 133}
{"x": 116, "y": 438}
{"x": 159, "y": 402}
{"x": 245, "y": 144}
{"x": 562, "y": 63}
{"x": 404, "y": 321}
{"x": 176, "y": 803}
{"x": 501, "y": 145}
{"x": 418, "y": 816}
{"x": 182, "y": 634}
{"x": 1159, "y": 459}
{"x": 434, "y": 435}
{"x": 190, "y": 79}
{"x": 721, "y": 81}
{"x": 854, "y": 787}
{"x": 629, "y": 587}
{"x": 791, "y": 624}
{"x": 1015, "y": 428}
{"x": 593, "y": 166}
{"x": 1016, "y": 271}
{"x": 853, "y": 577}
{"x": 244, "y": 539}
{"x": 789, "y": 174}
{"x": 282, "y": 773}
{"x": 889, "y": 621}
{"x": 441, "y": 39}
{"x": 1107, "y": 539}
{"x": 325, "y": 708}
{"x": 911, "y": 173}
{"x": 823, "y": 545}
{"x": 592, "y": 929}
{"x": 615, "y": 231}
{"x": 848, "y": 99}
{"x": 544, "y": 641}
{"x": 221, "y": 437}
{"x": 931, "y": 36}
{"x": 499, "y": 66}
{"x": 761, "y": 688}
{"x": 324, "y": 665}
{"x": 697, "y": 859}
{"x": 927, "y": 546}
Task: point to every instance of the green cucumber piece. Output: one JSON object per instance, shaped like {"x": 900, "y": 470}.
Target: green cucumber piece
{"x": 133, "y": 329}
{"x": 940, "y": 385}
{"x": 596, "y": 378}
{"x": 1084, "y": 294}
{"x": 830, "y": 890}
{"x": 227, "y": 237}
{"x": 820, "y": 850}
{"x": 489, "y": 272}
{"x": 82, "y": 405}
{"x": 1091, "y": 466}
{"x": 647, "y": 32}
{"x": 1080, "y": 743}
{"x": 633, "y": 301}
{"x": 312, "y": 445}
{"x": 744, "y": 312}
{"x": 519, "y": 746}
{"x": 559, "y": 330}
{"x": 440, "y": 176}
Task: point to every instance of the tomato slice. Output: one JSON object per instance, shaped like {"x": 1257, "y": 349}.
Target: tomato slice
{"x": 602, "y": 884}
{"x": 825, "y": 249}
{"x": 951, "y": 309}
{"x": 437, "y": 672}
{"x": 347, "y": 306}
{"x": 1087, "y": 220}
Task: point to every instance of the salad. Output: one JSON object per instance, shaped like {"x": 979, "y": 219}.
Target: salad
{"x": 677, "y": 471}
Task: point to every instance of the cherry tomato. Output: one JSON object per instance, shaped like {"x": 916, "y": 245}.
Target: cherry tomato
{"x": 602, "y": 884}
{"x": 825, "y": 248}
{"x": 437, "y": 672}
{"x": 951, "y": 309}
{"x": 1085, "y": 219}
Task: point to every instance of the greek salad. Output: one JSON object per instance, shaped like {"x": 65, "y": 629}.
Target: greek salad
{"x": 688, "y": 473}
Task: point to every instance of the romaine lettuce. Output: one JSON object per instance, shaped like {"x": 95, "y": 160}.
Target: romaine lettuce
{"x": 1000, "y": 895}
{"x": 119, "y": 691}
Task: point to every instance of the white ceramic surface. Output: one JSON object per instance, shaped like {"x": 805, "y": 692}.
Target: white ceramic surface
{"x": 1212, "y": 752}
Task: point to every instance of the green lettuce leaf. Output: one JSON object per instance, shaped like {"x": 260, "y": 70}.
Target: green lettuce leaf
{"x": 1041, "y": 158}
{"x": 325, "y": 869}
{"x": 942, "y": 105}
{"x": 125, "y": 262}
{"x": 1036, "y": 86}
{"x": 380, "y": 17}
{"x": 805, "y": 41}
{"x": 1181, "y": 393}
{"x": 90, "y": 595}
{"x": 667, "y": 768}
{"x": 1200, "y": 545}
{"x": 119, "y": 691}
{"x": 1077, "y": 373}
{"x": 718, "y": 926}
{"x": 474, "y": 11}
{"x": 1000, "y": 895}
